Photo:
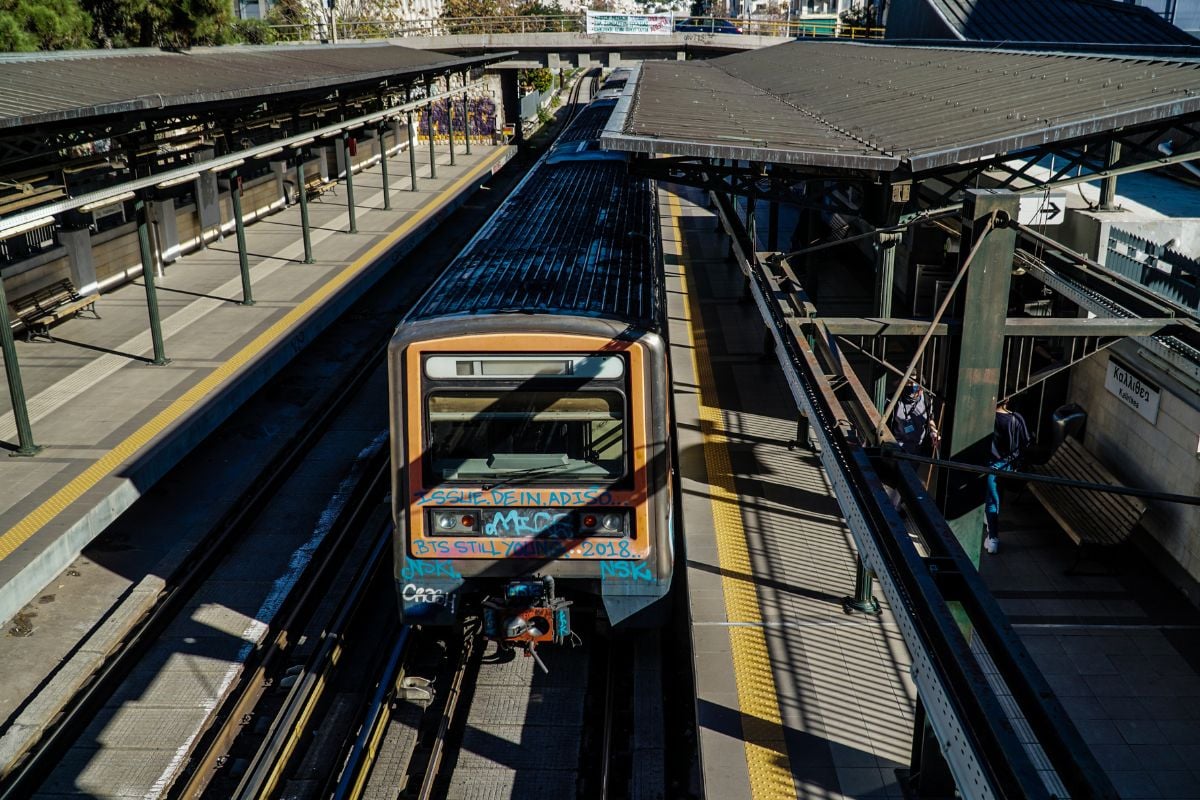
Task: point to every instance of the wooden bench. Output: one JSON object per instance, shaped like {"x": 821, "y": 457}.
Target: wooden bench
{"x": 1094, "y": 520}
{"x": 314, "y": 187}
{"x": 37, "y": 311}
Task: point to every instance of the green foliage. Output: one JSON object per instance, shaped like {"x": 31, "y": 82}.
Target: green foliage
{"x": 254, "y": 31}
{"x": 292, "y": 18}
{"x": 544, "y": 116}
{"x": 540, "y": 79}
{"x": 536, "y": 8}
{"x": 13, "y": 36}
{"x": 43, "y": 25}
{"x": 125, "y": 23}
{"x": 859, "y": 15}
{"x": 466, "y": 10}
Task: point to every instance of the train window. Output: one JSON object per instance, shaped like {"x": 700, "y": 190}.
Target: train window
{"x": 490, "y": 434}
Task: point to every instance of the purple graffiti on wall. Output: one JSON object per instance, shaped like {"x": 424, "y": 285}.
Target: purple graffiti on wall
{"x": 483, "y": 117}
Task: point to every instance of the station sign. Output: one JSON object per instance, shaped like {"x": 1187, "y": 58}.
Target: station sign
{"x": 1133, "y": 390}
{"x": 1043, "y": 208}
{"x": 653, "y": 24}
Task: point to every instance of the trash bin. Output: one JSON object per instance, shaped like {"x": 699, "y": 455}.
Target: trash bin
{"x": 1067, "y": 420}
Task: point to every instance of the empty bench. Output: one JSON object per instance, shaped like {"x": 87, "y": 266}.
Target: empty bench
{"x": 37, "y": 311}
{"x": 1094, "y": 520}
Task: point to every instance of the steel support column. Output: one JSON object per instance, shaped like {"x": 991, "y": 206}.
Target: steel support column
{"x": 429, "y": 114}
{"x": 773, "y": 226}
{"x": 977, "y": 353}
{"x": 383, "y": 166}
{"x": 450, "y": 119}
{"x": 302, "y": 197}
{"x": 16, "y": 389}
{"x": 466, "y": 115}
{"x": 1108, "y": 187}
{"x": 239, "y": 227}
{"x": 160, "y": 357}
{"x": 349, "y": 180}
{"x": 885, "y": 279}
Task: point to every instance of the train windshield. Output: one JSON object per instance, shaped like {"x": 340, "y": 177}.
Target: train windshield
{"x": 519, "y": 436}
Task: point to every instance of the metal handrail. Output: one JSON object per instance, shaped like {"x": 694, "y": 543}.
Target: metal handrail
{"x": 362, "y": 29}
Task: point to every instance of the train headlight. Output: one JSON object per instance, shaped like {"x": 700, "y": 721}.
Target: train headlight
{"x": 454, "y": 521}
{"x": 608, "y": 523}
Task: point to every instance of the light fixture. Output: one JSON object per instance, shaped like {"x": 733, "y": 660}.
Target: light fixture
{"x": 106, "y": 202}
{"x": 27, "y": 227}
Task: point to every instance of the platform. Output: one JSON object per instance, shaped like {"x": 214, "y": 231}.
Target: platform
{"x": 797, "y": 699}
{"x": 112, "y": 425}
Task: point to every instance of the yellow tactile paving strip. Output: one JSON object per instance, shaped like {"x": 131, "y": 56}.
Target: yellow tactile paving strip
{"x": 18, "y": 534}
{"x": 762, "y": 728}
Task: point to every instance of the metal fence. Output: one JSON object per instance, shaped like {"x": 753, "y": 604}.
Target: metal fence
{"x": 321, "y": 30}
{"x": 1163, "y": 271}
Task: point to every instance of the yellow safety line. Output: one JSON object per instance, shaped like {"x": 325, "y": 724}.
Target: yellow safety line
{"x": 17, "y": 535}
{"x": 767, "y": 759}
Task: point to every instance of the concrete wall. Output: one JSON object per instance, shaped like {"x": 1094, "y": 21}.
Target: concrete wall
{"x": 1161, "y": 456}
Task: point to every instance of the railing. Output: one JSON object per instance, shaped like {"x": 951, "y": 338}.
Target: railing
{"x": 1164, "y": 272}
{"x": 558, "y": 23}
{"x": 29, "y": 244}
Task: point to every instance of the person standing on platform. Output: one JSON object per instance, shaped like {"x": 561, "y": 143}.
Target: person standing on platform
{"x": 912, "y": 421}
{"x": 1010, "y": 437}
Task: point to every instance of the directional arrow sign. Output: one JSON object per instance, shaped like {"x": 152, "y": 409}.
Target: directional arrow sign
{"x": 1042, "y": 208}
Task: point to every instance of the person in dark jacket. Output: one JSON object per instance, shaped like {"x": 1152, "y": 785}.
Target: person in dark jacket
{"x": 912, "y": 421}
{"x": 1010, "y": 437}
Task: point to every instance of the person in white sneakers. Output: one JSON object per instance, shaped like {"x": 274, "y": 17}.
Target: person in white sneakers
{"x": 1010, "y": 437}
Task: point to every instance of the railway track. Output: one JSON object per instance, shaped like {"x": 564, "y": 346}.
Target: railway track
{"x": 365, "y": 712}
{"x": 340, "y": 367}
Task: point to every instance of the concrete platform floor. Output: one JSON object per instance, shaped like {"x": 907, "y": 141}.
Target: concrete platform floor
{"x": 112, "y": 425}
{"x": 796, "y": 699}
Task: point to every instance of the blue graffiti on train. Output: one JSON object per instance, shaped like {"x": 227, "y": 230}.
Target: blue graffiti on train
{"x": 530, "y": 522}
{"x": 625, "y": 570}
{"x": 592, "y": 495}
{"x": 428, "y": 569}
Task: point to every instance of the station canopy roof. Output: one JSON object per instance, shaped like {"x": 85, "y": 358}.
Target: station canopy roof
{"x": 41, "y": 88}
{"x": 880, "y": 107}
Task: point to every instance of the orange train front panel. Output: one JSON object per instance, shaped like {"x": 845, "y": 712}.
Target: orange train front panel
{"x": 574, "y": 490}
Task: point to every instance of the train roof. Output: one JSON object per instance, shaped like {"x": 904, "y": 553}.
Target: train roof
{"x": 577, "y": 237}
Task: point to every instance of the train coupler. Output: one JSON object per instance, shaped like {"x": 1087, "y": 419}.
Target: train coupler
{"x": 526, "y": 615}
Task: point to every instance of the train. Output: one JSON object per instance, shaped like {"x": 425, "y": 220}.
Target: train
{"x": 530, "y": 410}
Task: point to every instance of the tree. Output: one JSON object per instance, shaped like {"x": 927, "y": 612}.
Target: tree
{"x": 124, "y": 23}
{"x": 254, "y": 31}
{"x": 539, "y": 80}
{"x": 295, "y": 17}
{"x": 859, "y": 15}
{"x": 43, "y": 25}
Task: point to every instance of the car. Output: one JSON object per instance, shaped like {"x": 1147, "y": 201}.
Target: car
{"x": 705, "y": 25}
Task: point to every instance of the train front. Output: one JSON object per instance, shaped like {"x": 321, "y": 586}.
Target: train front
{"x": 532, "y": 470}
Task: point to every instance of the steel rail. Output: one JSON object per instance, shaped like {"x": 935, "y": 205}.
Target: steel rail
{"x": 453, "y": 695}
{"x": 374, "y": 724}
{"x": 270, "y": 762}
{"x": 299, "y": 606}
{"x": 43, "y": 756}
{"x": 609, "y": 712}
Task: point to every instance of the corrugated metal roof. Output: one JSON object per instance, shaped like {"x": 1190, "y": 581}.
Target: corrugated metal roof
{"x": 871, "y": 106}
{"x": 1076, "y": 21}
{"x": 575, "y": 238}
{"x": 41, "y": 88}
